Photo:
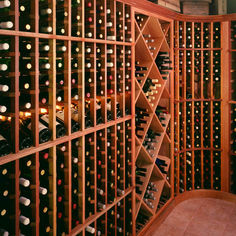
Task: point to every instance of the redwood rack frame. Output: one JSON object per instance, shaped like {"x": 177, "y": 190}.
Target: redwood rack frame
{"x": 125, "y": 98}
{"x": 142, "y": 7}
{"x": 225, "y": 100}
{"x": 224, "y": 49}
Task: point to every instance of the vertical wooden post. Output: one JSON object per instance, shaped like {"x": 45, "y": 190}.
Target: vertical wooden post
{"x": 225, "y": 106}
{"x": 133, "y": 120}
{"x": 171, "y": 89}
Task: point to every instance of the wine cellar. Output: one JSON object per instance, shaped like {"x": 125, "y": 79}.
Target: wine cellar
{"x": 109, "y": 111}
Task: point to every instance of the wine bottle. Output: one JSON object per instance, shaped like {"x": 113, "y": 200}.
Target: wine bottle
{"x": 45, "y": 11}
{"x": 46, "y": 29}
{"x": 24, "y": 201}
{"x": 25, "y": 136}
{"x": 4, "y": 46}
{"x": 24, "y": 182}
{"x": 4, "y": 65}
{"x": 3, "y": 232}
{"x": 24, "y": 220}
{"x": 5, "y": 3}
{"x": 44, "y": 64}
{"x": 4, "y": 146}
{"x": 74, "y": 116}
{"x": 44, "y": 132}
{"x": 6, "y": 25}
{"x": 60, "y": 128}
{"x": 25, "y": 101}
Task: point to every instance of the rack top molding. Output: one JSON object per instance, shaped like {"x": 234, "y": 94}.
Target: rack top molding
{"x": 150, "y": 7}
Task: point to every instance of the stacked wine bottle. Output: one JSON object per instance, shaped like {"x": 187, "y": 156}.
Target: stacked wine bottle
{"x": 152, "y": 117}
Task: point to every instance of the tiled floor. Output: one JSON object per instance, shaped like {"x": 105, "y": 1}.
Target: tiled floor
{"x": 199, "y": 217}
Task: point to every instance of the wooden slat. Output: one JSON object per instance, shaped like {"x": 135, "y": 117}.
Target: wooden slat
{"x": 192, "y": 106}
{"x": 95, "y": 173}
{"x": 37, "y": 184}
{"x": 53, "y": 155}
{"x": 133, "y": 204}
{"x": 69, "y": 177}
{"x": 83, "y": 180}
{"x": 106, "y": 179}
{"x": 202, "y": 89}
{"x": 16, "y": 120}
{"x": 172, "y": 112}
{"x": 225, "y": 106}
{"x": 17, "y": 195}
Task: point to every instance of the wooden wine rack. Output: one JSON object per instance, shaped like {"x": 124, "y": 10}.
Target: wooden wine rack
{"x": 208, "y": 158}
{"x": 87, "y": 24}
{"x": 159, "y": 29}
{"x": 197, "y": 94}
{"x": 84, "y": 45}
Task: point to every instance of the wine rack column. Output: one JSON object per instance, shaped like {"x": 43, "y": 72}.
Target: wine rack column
{"x": 199, "y": 158}
{"x": 39, "y": 174}
{"x": 15, "y": 122}
{"x": 152, "y": 117}
{"x": 232, "y": 106}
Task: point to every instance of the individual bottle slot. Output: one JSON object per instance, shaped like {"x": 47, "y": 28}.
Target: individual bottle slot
{"x": 60, "y": 128}
{"x": 89, "y": 20}
{"x": 45, "y": 28}
{"x": 44, "y": 132}
{"x": 25, "y": 136}
{"x": 142, "y": 220}
{"x": 76, "y": 13}
{"x": 141, "y": 19}
{"x": 6, "y": 25}
{"x": 74, "y": 117}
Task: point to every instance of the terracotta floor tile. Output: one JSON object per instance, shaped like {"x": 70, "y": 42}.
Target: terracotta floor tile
{"x": 229, "y": 233}
{"x": 192, "y": 204}
{"x": 190, "y": 233}
{"x": 217, "y": 230}
{"x": 214, "y": 215}
{"x": 222, "y": 215}
{"x": 180, "y": 221}
{"x": 226, "y": 203}
{"x": 230, "y": 230}
{"x": 169, "y": 230}
{"x": 201, "y": 225}
{"x": 189, "y": 206}
{"x": 232, "y": 218}
{"x": 163, "y": 229}
{"x": 183, "y": 212}
{"x": 207, "y": 210}
{"x": 199, "y": 217}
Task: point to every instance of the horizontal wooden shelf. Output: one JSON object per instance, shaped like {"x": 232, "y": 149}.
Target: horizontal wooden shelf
{"x": 58, "y": 141}
{"x": 198, "y": 100}
{"x": 197, "y": 49}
